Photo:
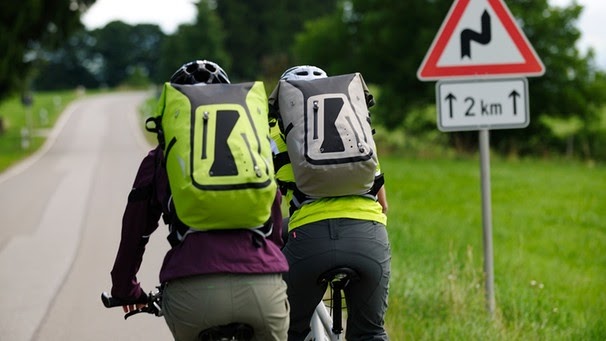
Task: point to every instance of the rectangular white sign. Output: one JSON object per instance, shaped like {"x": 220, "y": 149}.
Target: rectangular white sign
{"x": 482, "y": 104}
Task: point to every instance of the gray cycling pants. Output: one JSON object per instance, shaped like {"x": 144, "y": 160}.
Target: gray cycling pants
{"x": 195, "y": 303}
{"x": 318, "y": 247}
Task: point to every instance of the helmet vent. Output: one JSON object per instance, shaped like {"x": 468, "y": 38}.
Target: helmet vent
{"x": 202, "y": 76}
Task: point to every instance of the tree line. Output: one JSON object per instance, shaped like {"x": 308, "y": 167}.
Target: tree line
{"x": 385, "y": 40}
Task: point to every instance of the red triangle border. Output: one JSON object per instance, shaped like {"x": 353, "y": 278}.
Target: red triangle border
{"x": 429, "y": 69}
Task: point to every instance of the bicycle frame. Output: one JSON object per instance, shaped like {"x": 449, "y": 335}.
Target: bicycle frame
{"x": 321, "y": 326}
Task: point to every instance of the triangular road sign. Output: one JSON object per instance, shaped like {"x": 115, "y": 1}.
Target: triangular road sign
{"x": 479, "y": 38}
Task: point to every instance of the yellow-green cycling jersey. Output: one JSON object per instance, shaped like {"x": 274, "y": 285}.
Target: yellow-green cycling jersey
{"x": 353, "y": 207}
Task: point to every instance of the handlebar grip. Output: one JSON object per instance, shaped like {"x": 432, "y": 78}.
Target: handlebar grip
{"x": 111, "y": 302}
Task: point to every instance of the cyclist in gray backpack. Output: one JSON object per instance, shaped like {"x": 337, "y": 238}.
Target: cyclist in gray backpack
{"x": 211, "y": 277}
{"x": 320, "y": 128}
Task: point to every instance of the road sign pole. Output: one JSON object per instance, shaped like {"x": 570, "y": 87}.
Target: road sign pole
{"x": 499, "y": 48}
{"x": 487, "y": 218}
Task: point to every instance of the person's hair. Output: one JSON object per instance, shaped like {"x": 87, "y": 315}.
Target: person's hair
{"x": 200, "y": 71}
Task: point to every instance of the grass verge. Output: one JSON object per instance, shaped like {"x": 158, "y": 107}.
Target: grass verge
{"x": 548, "y": 236}
{"x": 23, "y": 129}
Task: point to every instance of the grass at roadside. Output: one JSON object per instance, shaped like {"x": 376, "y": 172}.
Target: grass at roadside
{"x": 548, "y": 233}
{"x": 16, "y": 118}
{"x": 42, "y": 115}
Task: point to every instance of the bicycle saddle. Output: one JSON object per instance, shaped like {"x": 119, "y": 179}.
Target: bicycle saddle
{"x": 233, "y": 331}
{"x": 343, "y": 275}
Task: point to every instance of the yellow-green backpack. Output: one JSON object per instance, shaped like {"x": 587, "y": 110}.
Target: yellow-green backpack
{"x": 217, "y": 154}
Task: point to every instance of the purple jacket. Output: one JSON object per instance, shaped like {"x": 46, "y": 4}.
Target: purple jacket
{"x": 225, "y": 251}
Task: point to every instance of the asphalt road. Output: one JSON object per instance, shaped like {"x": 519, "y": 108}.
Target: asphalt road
{"x": 60, "y": 227}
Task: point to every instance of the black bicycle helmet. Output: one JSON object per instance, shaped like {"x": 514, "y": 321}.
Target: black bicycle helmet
{"x": 199, "y": 71}
{"x": 303, "y": 72}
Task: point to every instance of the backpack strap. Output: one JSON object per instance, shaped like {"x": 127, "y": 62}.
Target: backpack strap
{"x": 376, "y": 186}
{"x": 178, "y": 230}
{"x": 154, "y": 125}
{"x": 259, "y": 234}
{"x": 280, "y": 160}
{"x": 299, "y": 198}
{"x": 285, "y": 186}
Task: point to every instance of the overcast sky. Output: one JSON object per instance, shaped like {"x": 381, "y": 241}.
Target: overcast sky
{"x": 592, "y": 26}
{"x": 169, "y": 14}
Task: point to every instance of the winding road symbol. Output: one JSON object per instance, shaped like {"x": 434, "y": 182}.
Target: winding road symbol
{"x": 483, "y": 37}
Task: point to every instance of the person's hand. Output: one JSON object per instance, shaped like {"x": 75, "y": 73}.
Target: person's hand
{"x": 136, "y": 306}
{"x": 382, "y": 199}
{"x": 132, "y": 307}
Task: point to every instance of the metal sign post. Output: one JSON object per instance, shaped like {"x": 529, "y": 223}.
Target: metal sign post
{"x": 487, "y": 218}
{"x": 479, "y": 48}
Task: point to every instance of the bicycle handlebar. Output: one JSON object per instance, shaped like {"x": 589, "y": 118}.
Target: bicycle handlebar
{"x": 111, "y": 302}
{"x": 152, "y": 303}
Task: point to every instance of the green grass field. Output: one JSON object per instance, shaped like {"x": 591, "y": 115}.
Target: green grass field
{"x": 40, "y": 117}
{"x": 549, "y": 237}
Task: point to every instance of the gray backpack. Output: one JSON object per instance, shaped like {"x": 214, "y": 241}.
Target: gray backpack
{"x": 326, "y": 126}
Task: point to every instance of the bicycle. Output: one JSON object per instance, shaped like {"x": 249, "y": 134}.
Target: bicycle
{"x": 323, "y": 326}
{"x": 153, "y": 305}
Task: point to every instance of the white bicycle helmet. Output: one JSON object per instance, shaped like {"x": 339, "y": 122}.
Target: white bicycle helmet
{"x": 199, "y": 71}
{"x": 303, "y": 72}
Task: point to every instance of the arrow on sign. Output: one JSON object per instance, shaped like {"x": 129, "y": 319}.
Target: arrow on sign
{"x": 482, "y": 104}
{"x": 484, "y": 37}
{"x": 514, "y": 95}
{"x": 450, "y": 98}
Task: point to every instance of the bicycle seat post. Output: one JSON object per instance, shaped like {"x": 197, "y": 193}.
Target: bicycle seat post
{"x": 337, "y": 321}
{"x": 338, "y": 279}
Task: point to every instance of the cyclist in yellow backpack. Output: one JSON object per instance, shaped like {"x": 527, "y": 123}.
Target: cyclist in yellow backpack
{"x": 210, "y": 278}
